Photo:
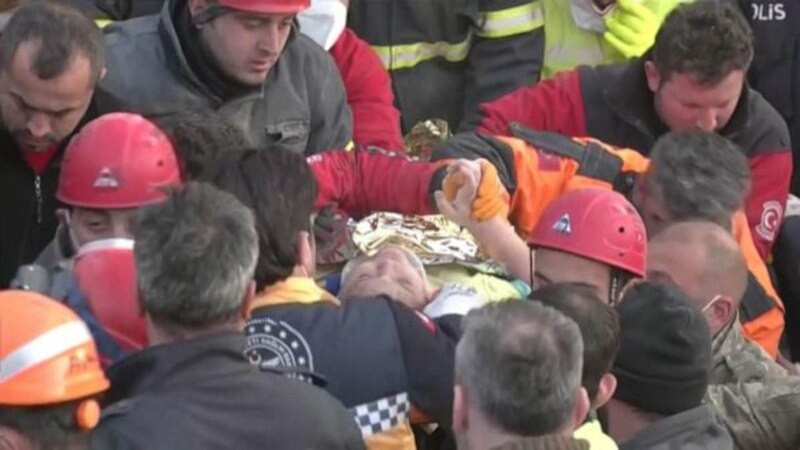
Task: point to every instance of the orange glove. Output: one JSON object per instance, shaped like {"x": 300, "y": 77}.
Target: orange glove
{"x": 491, "y": 198}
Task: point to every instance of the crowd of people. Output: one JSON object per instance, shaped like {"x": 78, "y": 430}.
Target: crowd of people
{"x": 187, "y": 185}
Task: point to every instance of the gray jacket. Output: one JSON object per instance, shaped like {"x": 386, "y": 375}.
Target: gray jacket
{"x": 694, "y": 429}
{"x": 302, "y": 106}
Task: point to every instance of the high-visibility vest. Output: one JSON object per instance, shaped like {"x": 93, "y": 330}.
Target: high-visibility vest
{"x": 566, "y": 46}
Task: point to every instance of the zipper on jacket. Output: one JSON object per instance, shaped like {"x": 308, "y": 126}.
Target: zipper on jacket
{"x": 37, "y": 184}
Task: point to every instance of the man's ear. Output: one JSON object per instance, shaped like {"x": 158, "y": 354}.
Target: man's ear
{"x": 582, "y": 407}
{"x": 460, "y": 409}
{"x": 305, "y": 253}
{"x": 652, "y": 75}
{"x": 720, "y": 313}
{"x": 249, "y": 296}
{"x": 605, "y": 390}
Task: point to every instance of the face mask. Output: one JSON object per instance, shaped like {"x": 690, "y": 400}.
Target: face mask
{"x": 323, "y": 22}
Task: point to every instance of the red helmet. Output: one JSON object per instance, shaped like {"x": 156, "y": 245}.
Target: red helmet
{"x": 597, "y": 224}
{"x": 268, "y": 6}
{"x": 106, "y": 274}
{"x": 119, "y": 160}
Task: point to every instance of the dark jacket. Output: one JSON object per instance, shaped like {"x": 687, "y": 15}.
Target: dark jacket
{"x": 381, "y": 359}
{"x": 446, "y": 57}
{"x": 27, "y": 206}
{"x": 302, "y": 106}
{"x": 203, "y": 394}
{"x": 776, "y": 61}
{"x": 694, "y": 429}
{"x": 614, "y": 104}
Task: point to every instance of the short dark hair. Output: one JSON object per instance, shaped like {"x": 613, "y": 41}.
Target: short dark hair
{"x": 48, "y": 427}
{"x": 598, "y": 322}
{"x": 195, "y": 256}
{"x": 280, "y": 189}
{"x": 702, "y": 176}
{"x": 521, "y": 361}
{"x": 61, "y": 32}
{"x": 706, "y": 39}
{"x": 200, "y": 137}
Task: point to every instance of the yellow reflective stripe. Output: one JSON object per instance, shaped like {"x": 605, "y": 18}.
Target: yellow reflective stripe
{"x": 409, "y": 55}
{"x": 102, "y": 23}
{"x": 511, "y": 21}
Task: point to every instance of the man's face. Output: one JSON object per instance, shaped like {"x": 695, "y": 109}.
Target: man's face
{"x": 553, "y": 266}
{"x": 42, "y": 113}
{"x": 684, "y": 104}
{"x": 89, "y": 225}
{"x": 247, "y": 45}
{"x": 390, "y": 272}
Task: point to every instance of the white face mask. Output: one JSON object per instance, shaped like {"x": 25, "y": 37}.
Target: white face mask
{"x": 324, "y": 21}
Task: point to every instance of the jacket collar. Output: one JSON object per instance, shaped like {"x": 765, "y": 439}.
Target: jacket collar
{"x": 172, "y": 44}
{"x": 697, "y": 427}
{"x": 293, "y": 290}
{"x": 631, "y": 99}
{"x": 176, "y": 364}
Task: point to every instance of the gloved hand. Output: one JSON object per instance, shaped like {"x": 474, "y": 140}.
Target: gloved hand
{"x": 331, "y": 235}
{"x": 632, "y": 27}
{"x": 491, "y": 198}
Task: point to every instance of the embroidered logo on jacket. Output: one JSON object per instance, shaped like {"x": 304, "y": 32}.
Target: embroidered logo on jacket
{"x": 275, "y": 344}
{"x": 770, "y": 220}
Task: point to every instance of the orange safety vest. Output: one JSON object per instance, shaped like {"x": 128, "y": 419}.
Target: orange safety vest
{"x": 544, "y": 172}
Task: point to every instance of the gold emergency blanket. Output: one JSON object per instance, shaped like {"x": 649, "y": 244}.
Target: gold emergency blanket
{"x": 433, "y": 238}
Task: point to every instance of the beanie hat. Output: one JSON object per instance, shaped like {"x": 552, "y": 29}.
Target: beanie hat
{"x": 664, "y": 360}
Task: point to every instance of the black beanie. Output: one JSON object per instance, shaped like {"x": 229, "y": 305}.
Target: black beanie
{"x": 664, "y": 360}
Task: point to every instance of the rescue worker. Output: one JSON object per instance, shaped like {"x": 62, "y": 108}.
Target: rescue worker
{"x": 242, "y": 58}
{"x": 376, "y": 121}
{"x": 774, "y": 73}
{"x": 757, "y": 400}
{"x": 50, "y": 63}
{"x": 193, "y": 388}
{"x": 589, "y": 33}
{"x": 695, "y": 175}
{"x": 50, "y": 376}
{"x": 387, "y": 363}
{"x": 103, "y": 190}
{"x": 692, "y": 79}
{"x": 116, "y": 165}
{"x": 588, "y": 235}
{"x": 444, "y": 57}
